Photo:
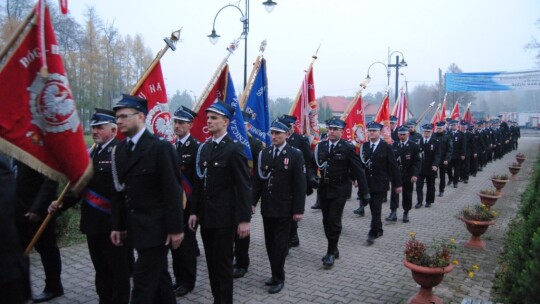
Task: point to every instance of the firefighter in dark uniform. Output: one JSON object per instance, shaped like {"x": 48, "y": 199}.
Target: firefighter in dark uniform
{"x": 413, "y": 135}
{"x": 489, "y": 138}
{"x": 241, "y": 246}
{"x": 280, "y": 177}
{"x": 34, "y": 193}
{"x": 221, "y": 199}
{"x": 446, "y": 144}
{"x": 394, "y": 128}
{"x": 338, "y": 163}
{"x": 497, "y": 140}
{"x": 111, "y": 263}
{"x": 465, "y": 170}
{"x": 301, "y": 143}
{"x": 431, "y": 158}
{"x": 184, "y": 258}
{"x": 459, "y": 149}
{"x": 147, "y": 203}
{"x": 381, "y": 169}
{"x": 408, "y": 157}
{"x": 478, "y": 149}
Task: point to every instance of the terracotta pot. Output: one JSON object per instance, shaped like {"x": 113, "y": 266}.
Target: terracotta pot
{"x": 520, "y": 160}
{"x": 488, "y": 200}
{"x": 476, "y": 228}
{"x": 514, "y": 171}
{"x": 427, "y": 278}
{"x": 499, "y": 184}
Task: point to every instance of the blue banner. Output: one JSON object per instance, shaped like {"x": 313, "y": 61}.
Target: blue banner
{"x": 257, "y": 107}
{"x": 236, "y": 128}
{"x": 492, "y": 81}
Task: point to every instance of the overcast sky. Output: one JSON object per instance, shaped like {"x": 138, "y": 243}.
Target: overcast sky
{"x": 477, "y": 35}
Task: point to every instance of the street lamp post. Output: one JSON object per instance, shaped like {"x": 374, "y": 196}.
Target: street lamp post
{"x": 385, "y": 66}
{"x": 214, "y": 37}
{"x": 397, "y": 65}
{"x": 406, "y": 86}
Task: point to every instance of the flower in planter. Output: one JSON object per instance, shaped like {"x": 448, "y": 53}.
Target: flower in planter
{"x": 489, "y": 191}
{"x": 436, "y": 254}
{"x": 500, "y": 176}
{"x": 478, "y": 212}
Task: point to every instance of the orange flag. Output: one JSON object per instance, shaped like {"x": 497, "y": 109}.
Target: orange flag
{"x": 383, "y": 117}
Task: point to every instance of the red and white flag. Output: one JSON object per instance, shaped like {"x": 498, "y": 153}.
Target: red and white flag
{"x": 468, "y": 116}
{"x": 455, "y": 115}
{"x": 442, "y": 115}
{"x": 383, "y": 117}
{"x": 305, "y": 108}
{"x": 39, "y": 124}
{"x": 199, "y": 130}
{"x": 355, "y": 130}
{"x": 401, "y": 109}
{"x": 158, "y": 120}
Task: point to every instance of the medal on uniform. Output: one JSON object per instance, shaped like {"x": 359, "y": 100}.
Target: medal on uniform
{"x": 284, "y": 152}
{"x": 109, "y": 150}
{"x": 204, "y": 164}
{"x": 186, "y": 144}
{"x": 286, "y": 162}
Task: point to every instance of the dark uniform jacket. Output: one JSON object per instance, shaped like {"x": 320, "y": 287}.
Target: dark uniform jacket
{"x": 95, "y": 220}
{"x": 342, "y": 165}
{"x": 150, "y": 205}
{"x": 431, "y": 155}
{"x": 302, "y": 143}
{"x": 282, "y": 184}
{"x": 34, "y": 191}
{"x": 446, "y": 146}
{"x": 408, "y": 159}
{"x": 222, "y": 198}
{"x": 256, "y": 147}
{"x": 459, "y": 144}
{"x": 381, "y": 166}
{"x": 187, "y": 153}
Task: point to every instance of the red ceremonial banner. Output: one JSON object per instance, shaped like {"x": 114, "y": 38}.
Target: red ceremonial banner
{"x": 442, "y": 115}
{"x": 455, "y": 115}
{"x": 39, "y": 124}
{"x": 383, "y": 117}
{"x": 158, "y": 120}
{"x": 355, "y": 130}
{"x": 306, "y": 110}
{"x": 199, "y": 130}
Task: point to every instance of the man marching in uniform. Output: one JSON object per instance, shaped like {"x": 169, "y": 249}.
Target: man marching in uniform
{"x": 382, "y": 168}
{"x": 446, "y": 144}
{"x": 185, "y": 257}
{"x": 431, "y": 157}
{"x": 111, "y": 263}
{"x": 280, "y": 177}
{"x": 409, "y": 161}
{"x": 459, "y": 151}
{"x": 221, "y": 199}
{"x": 338, "y": 163}
{"x": 147, "y": 202}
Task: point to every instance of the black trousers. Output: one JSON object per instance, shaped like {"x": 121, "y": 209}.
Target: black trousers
{"x": 332, "y": 211}
{"x": 473, "y": 165}
{"x": 276, "y": 239}
{"x": 454, "y": 170}
{"x": 218, "y": 246}
{"x": 151, "y": 280}
{"x": 241, "y": 252}
{"x": 430, "y": 188}
{"x": 47, "y": 248}
{"x": 442, "y": 177}
{"x": 465, "y": 168}
{"x": 375, "y": 208}
{"x": 184, "y": 260}
{"x": 112, "y": 266}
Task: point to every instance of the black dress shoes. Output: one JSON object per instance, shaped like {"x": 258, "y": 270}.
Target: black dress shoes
{"x": 455, "y": 185}
{"x": 270, "y": 282}
{"x": 441, "y": 194}
{"x": 47, "y": 295}
{"x": 328, "y": 260}
{"x": 182, "y": 291}
{"x": 239, "y": 272}
{"x": 428, "y": 205}
{"x": 406, "y": 216}
{"x": 276, "y": 288}
{"x": 359, "y": 211}
{"x": 317, "y": 205}
{"x": 418, "y": 206}
{"x": 392, "y": 217}
{"x": 370, "y": 240}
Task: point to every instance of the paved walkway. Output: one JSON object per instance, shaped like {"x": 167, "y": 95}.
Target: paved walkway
{"x": 363, "y": 274}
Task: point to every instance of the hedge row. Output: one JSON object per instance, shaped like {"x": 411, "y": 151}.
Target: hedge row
{"x": 518, "y": 279}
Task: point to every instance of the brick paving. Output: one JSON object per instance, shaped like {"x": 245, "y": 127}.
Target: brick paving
{"x": 362, "y": 274}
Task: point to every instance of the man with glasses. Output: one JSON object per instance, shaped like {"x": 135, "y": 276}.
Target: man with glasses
{"x": 409, "y": 161}
{"x": 147, "y": 205}
{"x": 280, "y": 178}
{"x": 337, "y": 162}
{"x": 381, "y": 166}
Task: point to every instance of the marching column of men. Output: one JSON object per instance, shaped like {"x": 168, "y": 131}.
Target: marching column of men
{"x": 150, "y": 196}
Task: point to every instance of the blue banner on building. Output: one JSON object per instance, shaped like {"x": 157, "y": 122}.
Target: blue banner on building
{"x": 492, "y": 81}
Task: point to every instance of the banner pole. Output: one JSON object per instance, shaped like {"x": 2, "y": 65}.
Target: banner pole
{"x": 17, "y": 33}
